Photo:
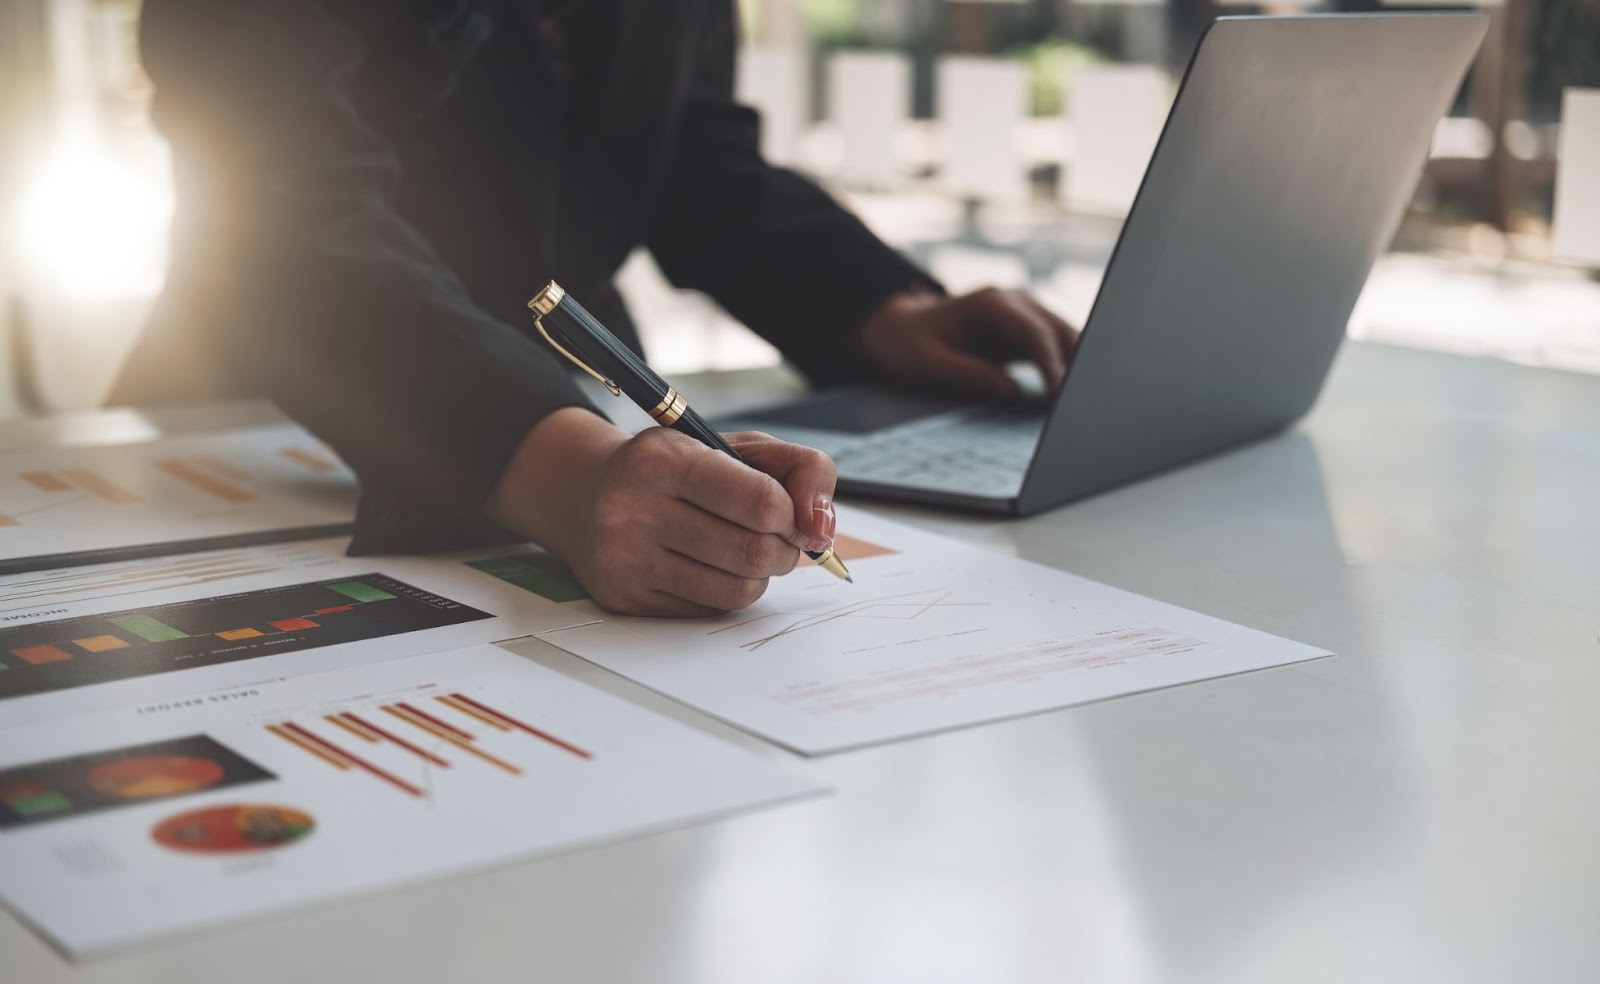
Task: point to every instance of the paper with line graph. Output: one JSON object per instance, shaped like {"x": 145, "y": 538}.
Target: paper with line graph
{"x": 933, "y": 634}
{"x": 249, "y": 482}
{"x": 124, "y": 826}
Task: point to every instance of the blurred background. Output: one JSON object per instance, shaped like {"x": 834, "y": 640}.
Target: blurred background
{"x": 997, "y": 141}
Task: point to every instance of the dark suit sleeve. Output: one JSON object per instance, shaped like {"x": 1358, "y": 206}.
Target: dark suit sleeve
{"x": 767, "y": 244}
{"x": 320, "y": 295}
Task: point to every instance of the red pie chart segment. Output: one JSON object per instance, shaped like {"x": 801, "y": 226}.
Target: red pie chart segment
{"x": 233, "y": 829}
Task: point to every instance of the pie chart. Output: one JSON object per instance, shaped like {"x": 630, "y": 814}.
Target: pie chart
{"x": 148, "y": 777}
{"x": 233, "y": 829}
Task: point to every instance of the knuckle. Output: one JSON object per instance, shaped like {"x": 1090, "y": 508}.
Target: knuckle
{"x": 769, "y": 506}
{"x": 754, "y": 555}
{"x": 748, "y": 591}
{"x": 821, "y": 462}
{"x": 610, "y": 511}
{"x": 612, "y": 554}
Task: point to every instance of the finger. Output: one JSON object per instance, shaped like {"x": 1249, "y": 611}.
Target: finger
{"x": 652, "y": 604}
{"x": 712, "y": 540}
{"x": 663, "y": 604}
{"x": 702, "y": 584}
{"x": 726, "y": 487}
{"x": 807, "y": 475}
{"x": 944, "y": 363}
{"x": 1063, "y": 330}
{"x": 1010, "y": 316}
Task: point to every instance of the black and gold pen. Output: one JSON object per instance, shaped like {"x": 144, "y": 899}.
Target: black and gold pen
{"x": 587, "y": 343}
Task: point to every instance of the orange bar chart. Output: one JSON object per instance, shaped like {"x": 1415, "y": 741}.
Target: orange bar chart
{"x": 447, "y": 733}
{"x": 223, "y": 468}
{"x": 8, "y": 520}
{"x": 308, "y": 459}
{"x": 503, "y": 721}
{"x": 339, "y": 757}
{"x": 47, "y": 481}
{"x": 41, "y": 654}
{"x": 292, "y": 624}
{"x": 204, "y": 481}
{"x": 97, "y": 484}
{"x": 101, "y": 643}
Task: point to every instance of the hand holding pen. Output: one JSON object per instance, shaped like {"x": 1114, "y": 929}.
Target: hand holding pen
{"x": 660, "y": 524}
{"x": 591, "y": 347}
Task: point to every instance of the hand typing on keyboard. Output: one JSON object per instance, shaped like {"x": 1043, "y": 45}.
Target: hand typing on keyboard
{"x": 964, "y": 342}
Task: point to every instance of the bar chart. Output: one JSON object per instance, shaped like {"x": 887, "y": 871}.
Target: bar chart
{"x": 369, "y": 776}
{"x": 535, "y": 572}
{"x": 108, "y": 501}
{"x": 56, "y": 655}
{"x": 407, "y": 727}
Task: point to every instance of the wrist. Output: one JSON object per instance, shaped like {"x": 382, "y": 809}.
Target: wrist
{"x": 548, "y": 488}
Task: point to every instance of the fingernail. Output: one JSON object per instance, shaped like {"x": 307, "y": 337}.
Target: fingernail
{"x": 823, "y": 521}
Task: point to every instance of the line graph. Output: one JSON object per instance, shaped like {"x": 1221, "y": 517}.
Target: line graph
{"x": 901, "y": 608}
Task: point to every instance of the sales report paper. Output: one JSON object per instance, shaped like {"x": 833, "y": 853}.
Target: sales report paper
{"x": 933, "y": 634}
{"x": 94, "y": 503}
{"x": 135, "y": 824}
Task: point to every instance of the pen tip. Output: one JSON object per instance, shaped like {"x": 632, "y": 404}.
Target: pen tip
{"x": 850, "y": 579}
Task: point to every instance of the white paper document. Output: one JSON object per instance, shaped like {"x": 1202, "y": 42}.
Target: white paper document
{"x": 932, "y": 635}
{"x": 138, "y": 632}
{"x": 62, "y": 501}
{"x": 130, "y": 825}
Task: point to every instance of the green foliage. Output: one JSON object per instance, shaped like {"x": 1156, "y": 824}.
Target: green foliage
{"x": 832, "y": 19}
{"x": 1047, "y": 64}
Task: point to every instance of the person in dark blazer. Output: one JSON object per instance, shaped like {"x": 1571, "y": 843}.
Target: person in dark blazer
{"x": 368, "y": 191}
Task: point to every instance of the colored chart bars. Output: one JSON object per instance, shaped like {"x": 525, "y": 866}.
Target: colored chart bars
{"x": 80, "y": 479}
{"x": 44, "y": 656}
{"x": 403, "y": 726}
{"x": 316, "y": 461}
{"x": 538, "y": 573}
{"x": 207, "y": 474}
{"x": 199, "y": 475}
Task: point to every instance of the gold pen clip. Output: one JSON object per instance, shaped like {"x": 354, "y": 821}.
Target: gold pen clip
{"x": 542, "y": 304}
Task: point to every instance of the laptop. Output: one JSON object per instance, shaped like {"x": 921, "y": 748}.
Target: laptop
{"x": 1285, "y": 165}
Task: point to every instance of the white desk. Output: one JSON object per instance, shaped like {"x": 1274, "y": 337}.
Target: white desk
{"x": 1423, "y": 807}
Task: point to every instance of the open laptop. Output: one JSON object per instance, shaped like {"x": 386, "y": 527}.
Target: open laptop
{"x": 1286, "y": 162}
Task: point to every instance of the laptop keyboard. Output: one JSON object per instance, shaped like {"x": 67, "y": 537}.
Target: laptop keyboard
{"x": 984, "y": 453}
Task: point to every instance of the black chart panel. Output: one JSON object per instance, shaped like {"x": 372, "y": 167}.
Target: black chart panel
{"x": 75, "y": 652}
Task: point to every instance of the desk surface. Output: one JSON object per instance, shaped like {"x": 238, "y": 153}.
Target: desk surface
{"x": 1423, "y": 807}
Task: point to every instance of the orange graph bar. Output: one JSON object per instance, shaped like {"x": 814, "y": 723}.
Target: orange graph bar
{"x": 337, "y": 761}
{"x": 8, "y": 520}
{"x": 418, "y": 720}
{"x": 394, "y": 739}
{"x": 466, "y": 735}
{"x": 98, "y": 484}
{"x": 309, "y": 459}
{"x": 354, "y": 760}
{"x": 185, "y": 472}
{"x": 472, "y": 712}
{"x": 354, "y": 729}
{"x": 41, "y": 654}
{"x": 101, "y": 643}
{"x": 47, "y": 481}
{"x": 223, "y": 468}
{"x": 234, "y": 635}
{"x": 530, "y": 729}
{"x": 293, "y": 624}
